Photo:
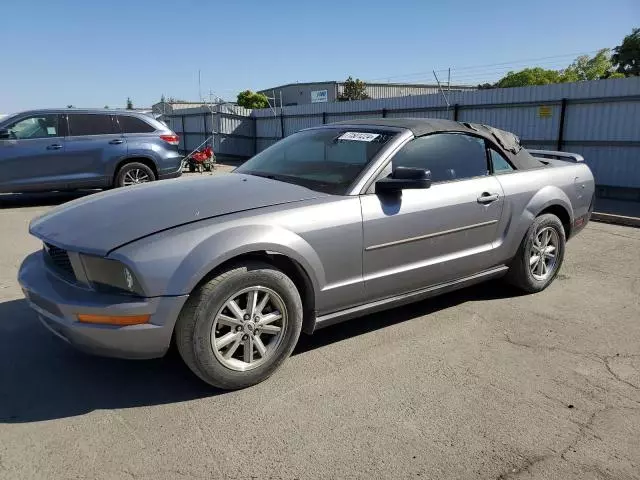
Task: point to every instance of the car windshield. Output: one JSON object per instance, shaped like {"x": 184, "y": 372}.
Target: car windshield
{"x": 327, "y": 160}
{"x": 4, "y": 119}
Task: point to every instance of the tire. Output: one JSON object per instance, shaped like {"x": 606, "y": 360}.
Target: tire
{"x": 195, "y": 326}
{"x": 132, "y": 170}
{"x": 525, "y": 272}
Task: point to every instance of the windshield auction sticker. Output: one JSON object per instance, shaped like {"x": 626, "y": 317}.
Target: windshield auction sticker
{"x": 359, "y": 136}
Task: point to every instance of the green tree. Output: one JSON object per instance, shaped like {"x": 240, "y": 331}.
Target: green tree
{"x": 162, "y": 99}
{"x": 627, "y": 55}
{"x": 529, "y": 76}
{"x": 106, "y": 107}
{"x": 590, "y": 68}
{"x": 70, "y": 106}
{"x": 129, "y": 104}
{"x": 353, "y": 90}
{"x": 249, "y": 99}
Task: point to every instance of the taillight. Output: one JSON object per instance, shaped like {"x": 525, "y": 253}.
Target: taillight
{"x": 171, "y": 139}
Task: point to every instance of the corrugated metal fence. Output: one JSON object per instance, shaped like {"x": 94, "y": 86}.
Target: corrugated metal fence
{"x": 233, "y": 129}
{"x": 598, "y": 119}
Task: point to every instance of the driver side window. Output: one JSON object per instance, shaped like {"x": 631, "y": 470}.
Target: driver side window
{"x": 37, "y": 126}
{"x": 449, "y": 156}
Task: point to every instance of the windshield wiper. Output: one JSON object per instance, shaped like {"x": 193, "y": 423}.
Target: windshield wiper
{"x": 274, "y": 176}
{"x": 316, "y": 185}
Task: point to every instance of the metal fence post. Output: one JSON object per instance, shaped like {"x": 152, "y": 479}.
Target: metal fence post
{"x": 204, "y": 119}
{"x": 282, "y": 122}
{"x": 456, "y": 107}
{"x": 563, "y": 110}
{"x": 384, "y": 113}
{"x": 255, "y": 135}
{"x": 324, "y": 117}
{"x": 184, "y": 134}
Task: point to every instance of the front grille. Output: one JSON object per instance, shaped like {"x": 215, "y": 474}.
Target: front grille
{"x": 59, "y": 260}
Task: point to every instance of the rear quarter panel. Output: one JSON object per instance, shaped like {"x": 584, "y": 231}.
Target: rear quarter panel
{"x": 529, "y": 192}
{"x": 149, "y": 145}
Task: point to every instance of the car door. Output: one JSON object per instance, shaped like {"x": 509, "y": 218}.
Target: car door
{"x": 94, "y": 141}
{"x": 32, "y": 149}
{"x": 429, "y": 236}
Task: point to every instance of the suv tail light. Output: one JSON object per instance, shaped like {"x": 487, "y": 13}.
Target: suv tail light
{"x": 171, "y": 139}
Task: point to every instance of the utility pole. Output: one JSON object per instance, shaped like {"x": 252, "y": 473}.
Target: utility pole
{"x": 213, "y": 129}
{"x": 446, "y": 99}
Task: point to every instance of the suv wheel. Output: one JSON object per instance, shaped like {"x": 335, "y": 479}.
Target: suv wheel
{"x": 237, "y": 329}
{"x": 134, "y": 173}
{"x": 540, "y": 255}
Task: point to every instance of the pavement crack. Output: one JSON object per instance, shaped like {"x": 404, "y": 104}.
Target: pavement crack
{"x": 528, "y": 463}
{"x": 606, "y": 361}
{"x": 550, "y": 348}
{"x": 130, "y": 429}
{"x": 583, "y": 429}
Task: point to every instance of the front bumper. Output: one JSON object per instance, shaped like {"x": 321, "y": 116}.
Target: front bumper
{"x": 57, "y": 303}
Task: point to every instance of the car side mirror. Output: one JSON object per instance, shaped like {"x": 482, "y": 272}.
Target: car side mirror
{"x": 404, "y": 178}
{"x": 4, "y": 134}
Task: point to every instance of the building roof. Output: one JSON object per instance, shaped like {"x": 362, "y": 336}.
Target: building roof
{"x": 295, "y": 84}
{"x": 368, "y": 84}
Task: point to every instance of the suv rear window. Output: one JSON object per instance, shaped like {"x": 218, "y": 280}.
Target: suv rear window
{"x": 134, "y": 125}
{"x": 90, "y": 124}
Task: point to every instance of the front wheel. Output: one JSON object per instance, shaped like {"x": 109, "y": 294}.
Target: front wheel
{"x": 237, "y": 329}
{"x": 540, "y": 255}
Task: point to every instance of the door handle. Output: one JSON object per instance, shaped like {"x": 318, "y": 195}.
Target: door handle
{"x": 55, "y": 146}
{"x": 116, "y": 141}
{"x": 487, "y": 197}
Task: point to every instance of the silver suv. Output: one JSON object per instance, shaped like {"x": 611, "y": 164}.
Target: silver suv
{"x": 72, "y": 149}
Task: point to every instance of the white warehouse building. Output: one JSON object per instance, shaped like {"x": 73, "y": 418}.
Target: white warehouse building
{"x": 329, "y": 91}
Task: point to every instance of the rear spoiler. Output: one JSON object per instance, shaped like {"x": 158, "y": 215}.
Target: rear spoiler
{"x": 566, "y": 156}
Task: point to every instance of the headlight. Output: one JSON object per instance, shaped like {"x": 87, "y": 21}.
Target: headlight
{"x": 110, "y": 276}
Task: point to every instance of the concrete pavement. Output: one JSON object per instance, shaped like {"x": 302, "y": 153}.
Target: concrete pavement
{"x": 481, "y": 383}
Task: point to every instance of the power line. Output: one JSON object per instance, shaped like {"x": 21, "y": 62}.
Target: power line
{"x": 523, "y": 61}
{"x": 509, "y": 65}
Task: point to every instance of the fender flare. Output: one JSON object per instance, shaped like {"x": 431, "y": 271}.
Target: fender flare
{"x": 547, "y": 197}
{"x": 236, "y": 241}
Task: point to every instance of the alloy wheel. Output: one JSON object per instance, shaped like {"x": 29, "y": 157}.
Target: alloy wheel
{"x": 248, "y": 328}
{"x": 135, "y": 176}
{"x": 543, "y": 254}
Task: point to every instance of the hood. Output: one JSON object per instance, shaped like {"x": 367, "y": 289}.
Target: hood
{"x": 102, "y": 222}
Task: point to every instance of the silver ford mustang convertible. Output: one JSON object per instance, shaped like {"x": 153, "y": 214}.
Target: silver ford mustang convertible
{"x": 330, "y": 223}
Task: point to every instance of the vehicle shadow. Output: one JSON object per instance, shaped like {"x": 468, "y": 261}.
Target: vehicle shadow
{"x": 42, "y": 378}
{"x": 44, "y": 199}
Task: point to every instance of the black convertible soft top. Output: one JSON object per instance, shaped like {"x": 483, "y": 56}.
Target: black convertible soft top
{"x": 507, "y": 141}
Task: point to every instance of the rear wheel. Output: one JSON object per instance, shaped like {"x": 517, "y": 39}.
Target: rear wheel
{"x": 540, "y": 255}
{"x": 134, "y": 173}
{"x": 237, "y": 329}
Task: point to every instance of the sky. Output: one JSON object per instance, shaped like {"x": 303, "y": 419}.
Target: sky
{"x": 92, "y": 53}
